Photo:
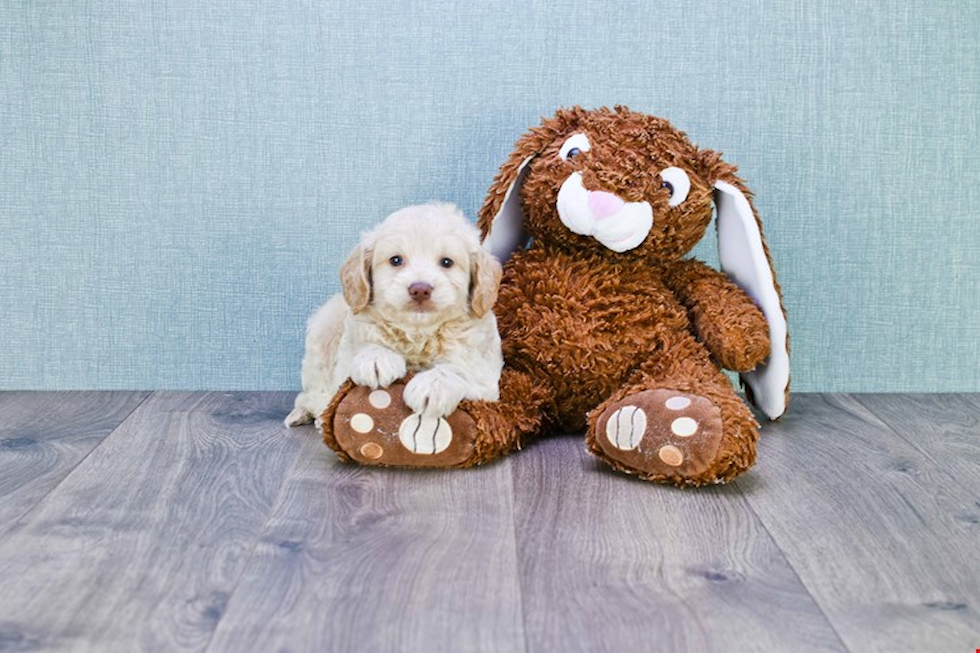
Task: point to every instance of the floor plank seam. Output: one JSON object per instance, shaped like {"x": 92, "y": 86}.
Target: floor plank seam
{"x": 20, "y": 518}
{"x": 517, "y": 558}
{"x": 273, "y": 511}
{"x": 789, "y": 563}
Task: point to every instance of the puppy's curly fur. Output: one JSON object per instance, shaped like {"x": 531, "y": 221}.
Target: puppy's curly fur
{"x": 417, "y": 297}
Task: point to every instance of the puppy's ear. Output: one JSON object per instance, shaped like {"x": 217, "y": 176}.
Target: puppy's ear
{"x": 355, "y": 278}
{"x": 484, "y": 281}
{"x": 744, "y": 256}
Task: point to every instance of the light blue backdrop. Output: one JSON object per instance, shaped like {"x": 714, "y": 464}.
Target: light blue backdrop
{"x": 180, "y": 180}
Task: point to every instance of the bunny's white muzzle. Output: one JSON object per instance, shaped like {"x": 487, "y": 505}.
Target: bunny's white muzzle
{"x": 618, "y": 225}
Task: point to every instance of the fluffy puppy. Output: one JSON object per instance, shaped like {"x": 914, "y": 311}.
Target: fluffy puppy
{"x": 417, "y": 296}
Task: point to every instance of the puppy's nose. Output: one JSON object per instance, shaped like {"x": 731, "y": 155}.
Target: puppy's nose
{"x": 420, "y": 291}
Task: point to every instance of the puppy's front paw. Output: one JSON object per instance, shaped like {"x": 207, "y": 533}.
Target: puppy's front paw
{"x": 433, "y": 394}
{"x": 377, "y": 367}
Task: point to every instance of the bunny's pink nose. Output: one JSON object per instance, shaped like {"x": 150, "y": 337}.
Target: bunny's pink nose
{"x": 604, "y": 204}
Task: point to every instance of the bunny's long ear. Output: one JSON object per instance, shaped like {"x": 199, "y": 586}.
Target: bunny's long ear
{"x": 501, "y": 219}
{"x": 505, "y": 231}
{"x": 744, "y": 256}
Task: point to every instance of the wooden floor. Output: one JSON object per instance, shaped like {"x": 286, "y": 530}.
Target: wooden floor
{"x": 195, "y": 521}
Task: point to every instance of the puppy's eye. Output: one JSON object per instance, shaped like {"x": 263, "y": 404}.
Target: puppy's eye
{"x": 396, "y": 261}
{"x": 677, "y": 183}
{"x": 574, "y": 146}
{"x": 446, "y": 262}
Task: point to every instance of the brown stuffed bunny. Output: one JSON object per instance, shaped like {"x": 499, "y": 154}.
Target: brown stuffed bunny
{"x": 605, "y": 326}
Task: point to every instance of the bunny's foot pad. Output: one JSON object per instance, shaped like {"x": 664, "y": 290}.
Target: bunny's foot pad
{"x": 375, "y": 427}
{"x": 660, "y": 434}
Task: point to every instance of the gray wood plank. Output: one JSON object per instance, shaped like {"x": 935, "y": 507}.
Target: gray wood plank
{"x": 141, "y": 545}
{"x": 874, "y": 528}
{"x": 366, "y": 559}
{"x": 945, "y": 428}
{"x": 43, "y": 435}
{"x": 610, "y": 563}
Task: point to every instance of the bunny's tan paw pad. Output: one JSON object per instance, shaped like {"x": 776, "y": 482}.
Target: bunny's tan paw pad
{"x": 660, "y": 434}
{"x": 375, "y": 427}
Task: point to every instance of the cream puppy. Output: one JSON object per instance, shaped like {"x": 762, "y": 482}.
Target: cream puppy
{"x": 417, "y": 296}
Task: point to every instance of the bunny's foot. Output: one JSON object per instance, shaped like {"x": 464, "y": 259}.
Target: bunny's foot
{"x": 675, "y": 437}
{"x": 375, "y": 427}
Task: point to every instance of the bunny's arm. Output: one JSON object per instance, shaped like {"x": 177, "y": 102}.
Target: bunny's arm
{"x": 724, "y": 318}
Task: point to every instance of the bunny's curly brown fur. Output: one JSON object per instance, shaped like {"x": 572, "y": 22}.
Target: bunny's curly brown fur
{"x": 596, "y": 327}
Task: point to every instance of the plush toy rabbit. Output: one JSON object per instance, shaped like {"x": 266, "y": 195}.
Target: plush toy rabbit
{"x": 606, "y": 326}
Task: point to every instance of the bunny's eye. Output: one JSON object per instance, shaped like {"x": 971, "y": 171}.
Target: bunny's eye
{"x": 677, "y": 183}
{"x": 574, "y": 146}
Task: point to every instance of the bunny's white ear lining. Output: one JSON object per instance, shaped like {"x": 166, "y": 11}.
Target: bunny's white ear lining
{"x": 507, "y": 228}
{"x": 743, "y": 258}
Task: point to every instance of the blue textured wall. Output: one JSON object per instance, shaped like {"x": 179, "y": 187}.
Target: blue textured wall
{"x": 180, "y": 180}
